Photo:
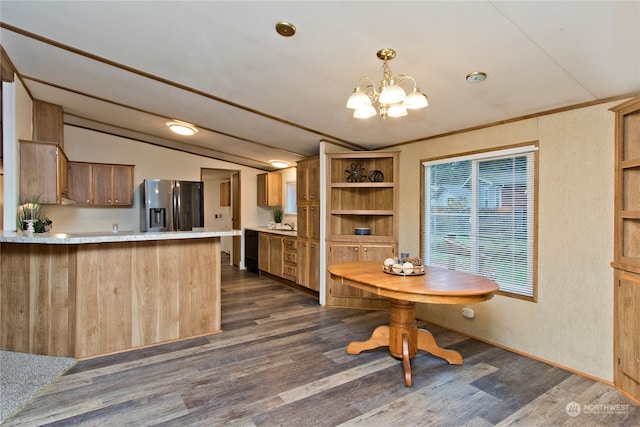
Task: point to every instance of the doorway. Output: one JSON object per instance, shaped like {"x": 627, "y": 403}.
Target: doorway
{"x": 222, "y": 207}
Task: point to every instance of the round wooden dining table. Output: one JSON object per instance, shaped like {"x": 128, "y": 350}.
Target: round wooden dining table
{"x": 436, "y": 286}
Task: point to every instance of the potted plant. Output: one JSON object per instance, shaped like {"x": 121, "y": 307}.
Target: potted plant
{"x": 31, "y": 212}
{"x": 277, "y": 213}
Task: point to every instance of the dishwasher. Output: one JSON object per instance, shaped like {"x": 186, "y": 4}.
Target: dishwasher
{"x": 251, "y": 250}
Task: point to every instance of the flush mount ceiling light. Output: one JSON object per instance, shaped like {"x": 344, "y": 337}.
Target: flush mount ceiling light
{"x": 476, "y": 77}
{"x": 392, "y": 100}
{"x": 279, "y": 163}
{"x": 182, "y": 128}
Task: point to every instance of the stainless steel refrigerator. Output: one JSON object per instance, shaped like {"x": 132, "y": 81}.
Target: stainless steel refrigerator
{"x": 171, "y": 205}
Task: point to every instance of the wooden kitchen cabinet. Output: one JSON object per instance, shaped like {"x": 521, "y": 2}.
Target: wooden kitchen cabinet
{"x": 48, "y": 122}
{"x": 346, "y": 252}
{"x": 225, "y": 193}
{"x": 308, "y": 180}
{"x": 112, "y": 185}
{"x": 362, "y": 192}
{"x": 626, "y": 261}
{"x": 80, "y": 182}
{"x": 290, "y": 258}
{"x": 269, "y": 189}
{"x": 263, "y": 252}
{"x": 43, "y": 172}
{"x": 101, "y": 184}
{"x": 309, "y": 264}
{"x": 270, "y": 253}
{"x": 309, "y": 221}
{"x": 308, "y": 202}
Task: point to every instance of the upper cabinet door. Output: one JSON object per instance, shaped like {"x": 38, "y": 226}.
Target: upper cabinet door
{"x": 269, "y": 189}
{"x": 102, "y": 185}
{"x": 80, "y": 182}
{"x": 122, "y": 185}
{"x": 48, "y": 122}
{"x": 308, "y": 180}
{"x": 42, "y": 172}
{"x": 313, "y": 180}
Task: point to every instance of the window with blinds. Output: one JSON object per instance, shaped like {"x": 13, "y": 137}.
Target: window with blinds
{"x": 479, "y": 216}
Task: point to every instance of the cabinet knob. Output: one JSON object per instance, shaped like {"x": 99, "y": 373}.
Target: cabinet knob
{"x": 108, "y": 200}
{"x": 365, "y": 249}
{"x": 116, "y": 200}
{"x": 355, "y": 249}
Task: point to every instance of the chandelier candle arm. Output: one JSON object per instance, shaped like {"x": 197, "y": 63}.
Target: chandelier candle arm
{"x": 392, "y": 100}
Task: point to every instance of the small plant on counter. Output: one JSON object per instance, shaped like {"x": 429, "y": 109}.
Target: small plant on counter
{"x": 30, "y": 209}
{"x": 277, "y": 213}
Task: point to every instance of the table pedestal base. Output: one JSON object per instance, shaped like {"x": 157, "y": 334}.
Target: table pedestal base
{"x": 404, "y": 339}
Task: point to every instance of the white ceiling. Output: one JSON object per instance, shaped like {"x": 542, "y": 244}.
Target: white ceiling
{"x": 128, "y": 67}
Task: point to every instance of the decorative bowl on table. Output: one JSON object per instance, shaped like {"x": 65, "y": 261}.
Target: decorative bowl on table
{"x": 409, "y": 267}
{"x": 362, "y": 231}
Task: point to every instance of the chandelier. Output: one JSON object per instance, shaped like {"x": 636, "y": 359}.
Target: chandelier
{"x": 392, "y": 100}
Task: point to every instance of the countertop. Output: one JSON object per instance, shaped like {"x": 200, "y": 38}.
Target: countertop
{"x": 53, "y": 238}
{"x": 262, "y": 229}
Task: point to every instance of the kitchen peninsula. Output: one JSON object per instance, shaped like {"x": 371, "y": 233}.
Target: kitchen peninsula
{"x": 88, "y": 294}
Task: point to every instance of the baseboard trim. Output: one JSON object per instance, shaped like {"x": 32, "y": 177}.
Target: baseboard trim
{"x": 530, "y": 356}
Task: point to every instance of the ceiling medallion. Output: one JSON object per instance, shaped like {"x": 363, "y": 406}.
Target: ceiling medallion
{"x": 392, "y": 100}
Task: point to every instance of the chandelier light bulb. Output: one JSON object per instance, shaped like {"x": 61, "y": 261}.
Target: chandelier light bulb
{"x": 365, "y": 112}
{"x": 392, "y": 94}
{"x": 397, "y": 110}
{"x": 358, "y": 99}
{"x": 415, "y": 100}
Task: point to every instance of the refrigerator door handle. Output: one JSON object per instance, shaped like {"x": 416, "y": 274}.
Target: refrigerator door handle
{"x": 176, "y": 206}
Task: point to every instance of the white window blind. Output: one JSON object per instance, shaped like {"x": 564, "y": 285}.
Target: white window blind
{"x": 290, "y": 205}
{"x": 478, "y": 216}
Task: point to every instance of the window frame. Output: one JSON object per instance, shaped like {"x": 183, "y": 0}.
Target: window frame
{"x": 511, "y": 150}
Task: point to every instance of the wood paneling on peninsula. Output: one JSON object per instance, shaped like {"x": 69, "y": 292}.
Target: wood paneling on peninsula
{"x": 93, "y": 299}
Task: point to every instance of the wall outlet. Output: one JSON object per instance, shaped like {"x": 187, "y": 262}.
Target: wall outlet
{"x": 468, "y": 313}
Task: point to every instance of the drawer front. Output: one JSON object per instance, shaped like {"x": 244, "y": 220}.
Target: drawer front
{"x": 291, "y": 257}
{"x": 290, "y": 272}
{"x": 290, "y": 243}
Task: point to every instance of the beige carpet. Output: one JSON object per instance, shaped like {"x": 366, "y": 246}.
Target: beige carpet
{"x": 23, "y": 376}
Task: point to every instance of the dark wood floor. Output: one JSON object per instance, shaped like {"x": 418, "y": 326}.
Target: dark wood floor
{"x": 281, "y": 361}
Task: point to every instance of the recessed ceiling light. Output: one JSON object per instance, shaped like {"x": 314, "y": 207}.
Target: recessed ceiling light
{"x": 476, "y": 77}
{"x": 285, "y": 29}
{"x": 182, "y": 128}
{"x": 279, "y": 163}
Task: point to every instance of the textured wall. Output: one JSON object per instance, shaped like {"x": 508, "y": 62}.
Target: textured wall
{"x": 571, "y": 324}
